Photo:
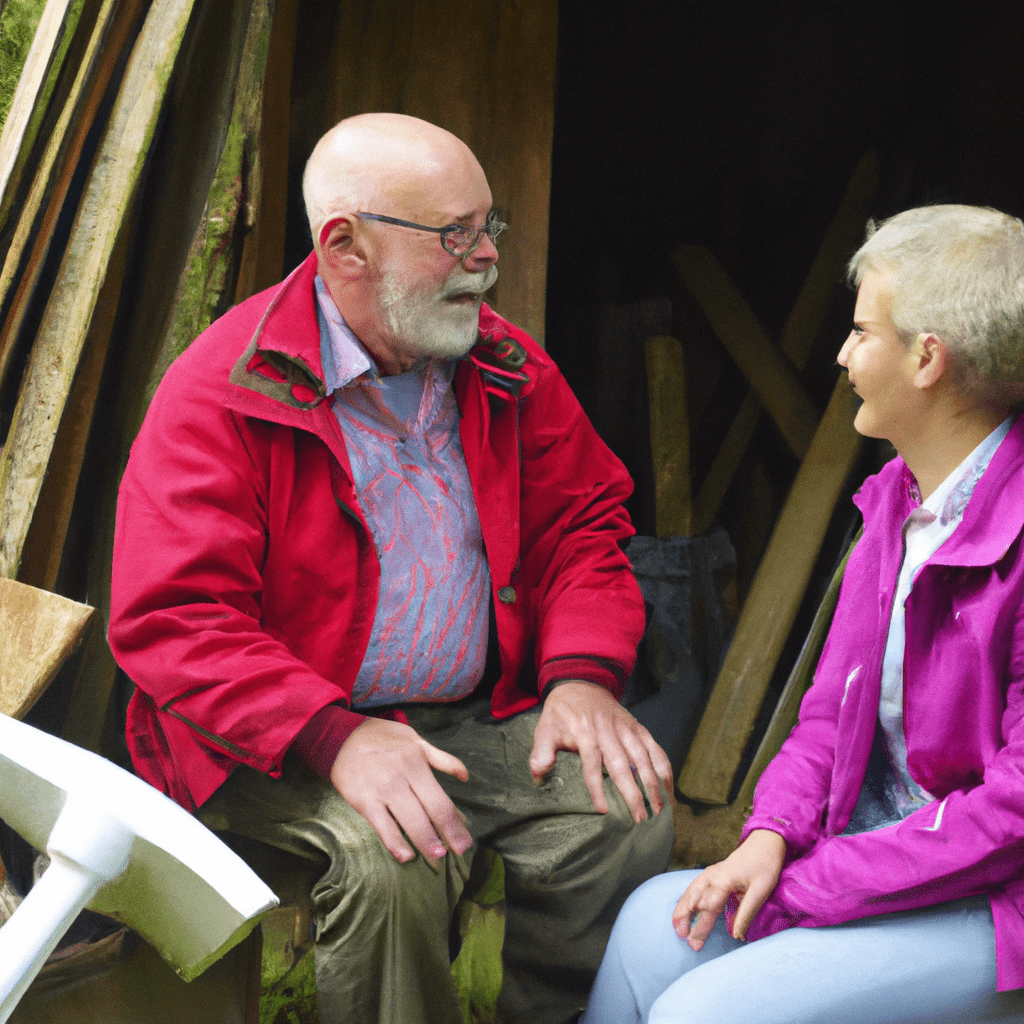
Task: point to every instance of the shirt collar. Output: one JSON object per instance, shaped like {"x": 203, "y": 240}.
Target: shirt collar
{"x": 344, "y": 358}
{"x": 948, "y": 501}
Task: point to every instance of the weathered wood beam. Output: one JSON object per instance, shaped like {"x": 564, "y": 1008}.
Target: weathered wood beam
{"x": 70, "y": 309}
{"x": 726, "y": 462}
{"x": 48, "y": 530}
{"x": 706, "y": 835}
{"x": 772, "y": 605}
{"x": 38, "y": 630}
{"x": 670, "y": 435}
{"x": 767, "y": 371}
{"x": 844, "y": 235}
{"x": 25, "y": 113}
{"x": 262, "y": 263}
{"x": 194, "y": 253}
{"x": 37, "y": 217}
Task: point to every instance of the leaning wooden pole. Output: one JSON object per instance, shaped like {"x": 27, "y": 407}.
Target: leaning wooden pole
{"x": 772, "y": 604}
{"x": 670, "y": 435}
{"x": 70, "y": 309}
{"x": 24, "y": 115}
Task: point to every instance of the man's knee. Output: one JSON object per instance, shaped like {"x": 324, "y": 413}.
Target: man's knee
{"x": 365, "y": 887}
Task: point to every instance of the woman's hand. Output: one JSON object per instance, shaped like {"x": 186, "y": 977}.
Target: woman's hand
{"x": 751, "y": 871}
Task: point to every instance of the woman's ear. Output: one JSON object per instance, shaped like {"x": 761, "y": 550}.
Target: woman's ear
{"x": 338, "y": 249}
{"x": 932, "y": 360}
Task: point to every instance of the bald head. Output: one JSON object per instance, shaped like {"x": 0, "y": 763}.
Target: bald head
{"x": 372, "y": 161}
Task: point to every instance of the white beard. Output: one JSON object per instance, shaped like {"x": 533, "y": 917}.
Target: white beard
{"x": 427, "y": 324}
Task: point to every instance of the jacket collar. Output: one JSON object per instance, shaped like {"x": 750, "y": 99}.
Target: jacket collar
{"x": 283, "y": 359}
{"x": 993, "y": 518}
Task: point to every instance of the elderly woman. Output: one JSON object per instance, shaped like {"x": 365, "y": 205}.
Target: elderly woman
{"x": 881, "y": 872}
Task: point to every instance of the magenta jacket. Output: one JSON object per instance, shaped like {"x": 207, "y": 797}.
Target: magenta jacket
{"x": 245, "y": 578}
{"x": 963, "y": 720}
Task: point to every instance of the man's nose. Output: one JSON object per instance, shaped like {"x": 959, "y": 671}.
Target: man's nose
{"x": 483, "y": 256}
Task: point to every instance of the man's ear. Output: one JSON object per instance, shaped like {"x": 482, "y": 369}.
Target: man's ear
{"x": 338, "y": 248}
{"x": 932, "y": 360}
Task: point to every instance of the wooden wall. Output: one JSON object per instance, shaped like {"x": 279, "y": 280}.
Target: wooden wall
{"x": 483, "y": 69}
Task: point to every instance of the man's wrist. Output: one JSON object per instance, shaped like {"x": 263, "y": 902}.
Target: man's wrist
{"x": 599, "y": 671}
{"x": 320, "y": 739}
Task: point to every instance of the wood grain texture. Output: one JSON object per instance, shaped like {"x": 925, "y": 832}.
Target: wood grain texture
{"x": 262, "y": 261}
{"x": 16, "y": 136}
{"x": 37, "y": 217}
{"x": 38, "y": 630}
{"x": 72, "y": 303}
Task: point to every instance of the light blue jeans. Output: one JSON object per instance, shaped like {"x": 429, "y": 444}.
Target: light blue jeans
{"x": 918, "y": 967}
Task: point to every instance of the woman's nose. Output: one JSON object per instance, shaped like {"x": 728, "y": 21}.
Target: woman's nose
{"x": 844, "y": 352}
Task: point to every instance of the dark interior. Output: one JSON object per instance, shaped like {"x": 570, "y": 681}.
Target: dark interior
{"x": 738, "y": 126}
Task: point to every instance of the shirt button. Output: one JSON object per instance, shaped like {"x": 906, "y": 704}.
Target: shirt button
{"x": 507, "y": 595}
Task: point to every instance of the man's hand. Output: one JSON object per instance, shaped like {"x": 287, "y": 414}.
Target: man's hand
{"x": 586, "y": 718}
{"x": 384, "y": 771}
{"x": 751, "y": 871}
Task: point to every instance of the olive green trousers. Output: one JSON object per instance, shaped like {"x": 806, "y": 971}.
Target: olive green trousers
{"x": 382, "y": 928}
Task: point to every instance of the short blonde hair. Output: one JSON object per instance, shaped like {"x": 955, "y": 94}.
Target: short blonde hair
{"x": 957, "y": 272}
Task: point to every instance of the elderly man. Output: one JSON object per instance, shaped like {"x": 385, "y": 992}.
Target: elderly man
{"x": 368, "y": 580}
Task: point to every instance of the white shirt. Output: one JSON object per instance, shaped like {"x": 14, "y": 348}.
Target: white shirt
{"x": 925, "y": 530}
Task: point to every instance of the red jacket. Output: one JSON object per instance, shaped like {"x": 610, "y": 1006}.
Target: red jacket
{"x": 245, "y": 578}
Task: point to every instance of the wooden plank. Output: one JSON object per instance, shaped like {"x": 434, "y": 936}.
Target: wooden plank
{"x": 772, "y": 605}
{"x": 38, "y": 630}
{"x": 44, "y": 542}
{"x": 767, "y": 371}
{"x": 206, "y": 281}
{"x": 37, "y": 216}
{"x": 16, "y": 135}
{"x": 727, "y": 461}
{"x": 670, "y": 435}
{"x": 844, "y": 235}
{"x": 262, "y": 263}
{"x": 68, "y": 314}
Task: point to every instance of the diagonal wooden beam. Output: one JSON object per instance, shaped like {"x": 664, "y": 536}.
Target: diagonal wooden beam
{"x": 772, "y": 604}
{"x": 766, "y": 369}
{"x": 37, "y": 216}
{"x": 798, "y": 334}
{"x": 25, "y": 114}
{"x": 706, "y": 835}
{"x": 72, "y": 304}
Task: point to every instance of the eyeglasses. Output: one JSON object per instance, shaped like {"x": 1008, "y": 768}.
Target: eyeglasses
{"x": 458, "y": 239}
